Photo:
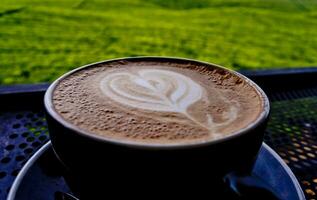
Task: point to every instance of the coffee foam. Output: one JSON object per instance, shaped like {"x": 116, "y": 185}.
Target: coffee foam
{"x": 157, "y": 102}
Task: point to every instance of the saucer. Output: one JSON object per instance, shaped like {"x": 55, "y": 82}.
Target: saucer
{"x": 41, "y": 177}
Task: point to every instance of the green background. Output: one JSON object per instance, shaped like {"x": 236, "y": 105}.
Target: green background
{"x": 42, "y": 39}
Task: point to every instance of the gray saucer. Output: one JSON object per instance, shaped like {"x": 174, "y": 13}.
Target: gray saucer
{"x": 41, "y": 177}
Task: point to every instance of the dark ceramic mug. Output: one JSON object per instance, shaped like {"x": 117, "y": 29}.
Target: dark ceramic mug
{"x": 99, "y": 167}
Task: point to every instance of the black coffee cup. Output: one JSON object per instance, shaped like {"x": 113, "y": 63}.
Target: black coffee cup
{"x": 98, "y": 168}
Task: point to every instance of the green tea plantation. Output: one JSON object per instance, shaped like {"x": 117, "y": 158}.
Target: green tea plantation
{"x": 42, "y": 39}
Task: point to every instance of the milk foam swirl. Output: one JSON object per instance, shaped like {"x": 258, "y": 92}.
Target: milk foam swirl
{"x": 163, "y": 91}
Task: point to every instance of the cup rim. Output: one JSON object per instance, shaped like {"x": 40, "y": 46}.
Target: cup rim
{"x": 48, "y": 104}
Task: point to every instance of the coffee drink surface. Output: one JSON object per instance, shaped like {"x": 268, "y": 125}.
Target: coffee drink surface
{"x": 157, "y": 102}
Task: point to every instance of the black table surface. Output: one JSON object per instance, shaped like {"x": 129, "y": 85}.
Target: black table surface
{"x": 291, "y": 132}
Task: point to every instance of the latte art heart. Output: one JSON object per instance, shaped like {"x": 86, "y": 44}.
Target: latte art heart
{"x": 162, "y": 91}
{"x": 155, "y": 89}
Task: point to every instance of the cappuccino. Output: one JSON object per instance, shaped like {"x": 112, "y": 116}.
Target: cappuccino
{"x": 157, "y": 102}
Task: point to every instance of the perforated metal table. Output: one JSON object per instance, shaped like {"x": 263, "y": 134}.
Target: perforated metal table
{"x": 291, "y": 132}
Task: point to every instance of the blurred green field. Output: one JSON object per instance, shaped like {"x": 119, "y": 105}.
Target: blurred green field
{"x": 42, "y": 39}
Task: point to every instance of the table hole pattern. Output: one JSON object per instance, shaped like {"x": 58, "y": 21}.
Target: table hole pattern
{"x": 21, "y": 134}
{"x": 292, "y": 133}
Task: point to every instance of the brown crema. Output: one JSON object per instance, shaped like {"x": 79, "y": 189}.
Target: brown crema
{"x": 157, "y": 102}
